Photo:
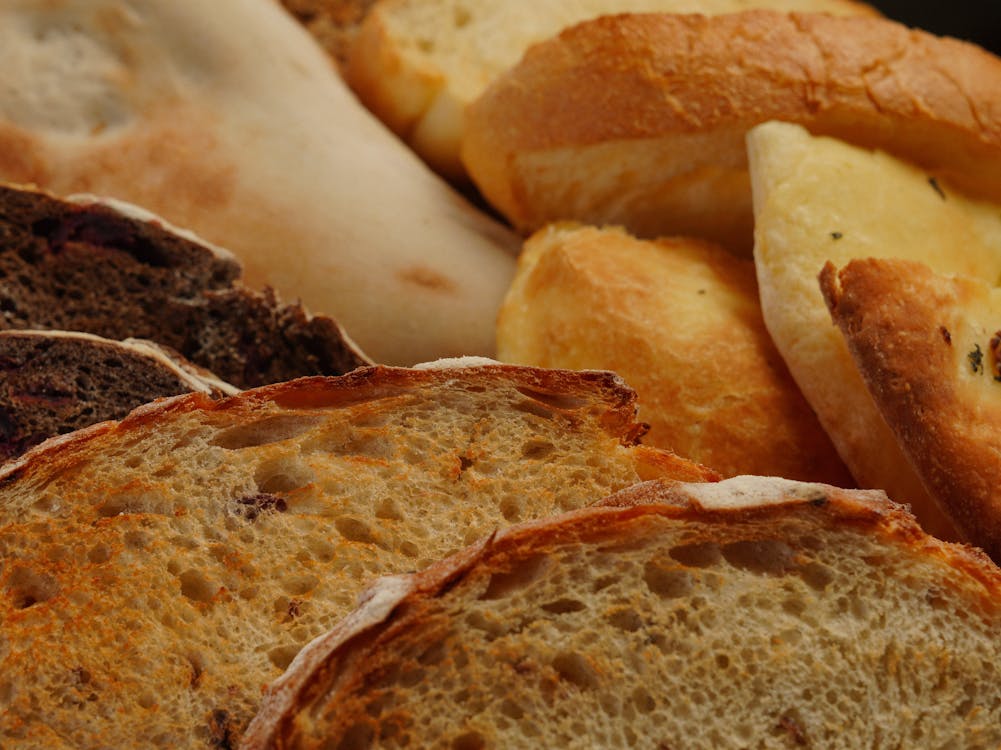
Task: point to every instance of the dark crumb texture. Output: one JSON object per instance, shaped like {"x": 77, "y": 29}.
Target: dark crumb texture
{"x": 53, "y": 385}
{"x": 89, "y": 268}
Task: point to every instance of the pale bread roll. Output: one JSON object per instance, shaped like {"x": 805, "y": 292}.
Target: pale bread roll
{"x": 929, "y": 348}
{"x": 640, "y": 120}
{"x": 818, "y": 200}
{"x": 418, "y": 63}
{"x": 227, "y": 118}
{"x": 679, "y": 320}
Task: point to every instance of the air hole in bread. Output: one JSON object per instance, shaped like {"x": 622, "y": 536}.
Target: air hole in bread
{"x": 282, "y": 656}
{"x": 99, "y": 553}
{"x": 355, "y": 530}
{"x": 817, "y": 575}
{"x": 575, "y": 669}
{"x": 537, "y": 450}
{"x": 667, "y": 582}
{"x": 625, "y": 619}
{"x": 697, "y": 555}
{"x": 469, "y": 741}
{"x": 765, "y": 557}
{"x": 555, "y": 401}
{"x": 511, "y": 709}
{"x": 196, "y": 586}
{"x": 128, "y": 502}
{"x": 504, "y": 584}
{"x": 387, "y": 510}
{"x": 297, "y": 585}
{"x": 264, "y": 431}
{"x": 28, "y": 587}
{"x": 564, "y": 606}
{"x": 358, "y": 737}
{"x": 282, "y": 475}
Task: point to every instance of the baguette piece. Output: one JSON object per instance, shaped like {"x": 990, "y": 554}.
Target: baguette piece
{"x": 117, "y": 271}
{"x": 333, "y": 23}
{"x": 680, "y": 320}
{"x": 418, "y": 64}
{"x": 640, "y": 120}
{"x": 756, "y": 612}
{"x": 227, "y": 118}
{"x": 53, "y": 382}
{"x": 929, "y": 349}
{"x": 817, "y": 200}
{"x": 159, "y": 571}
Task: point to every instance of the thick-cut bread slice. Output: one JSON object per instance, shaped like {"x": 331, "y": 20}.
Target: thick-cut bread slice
{"x": 929, "y": 349}
{"x": 418, "y": 63}
{"x": 114, "y": 270}
{"x": 228, "y": 119}
{"x": 158, "y": 572}
{"x": 680, "y": 321}
{"x": 640, "y": 120}
{"x": 750, "y": 613}
{"x": 53, "y": 382}
{"x": 333, "y": 23}
{"x": 818, "y": 200}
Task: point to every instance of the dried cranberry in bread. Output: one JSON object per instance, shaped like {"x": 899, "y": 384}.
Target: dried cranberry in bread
{"x": 639, "y": 120}
{"x": 53, "y": 382}
{"x": 159, "y": 571}
{"x": 111, "y": 269}
{"x": 756, "y": 612}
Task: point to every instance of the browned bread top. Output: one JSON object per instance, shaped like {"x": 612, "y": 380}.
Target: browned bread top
{"x": 640, "y": 119}
{"x": 159, "y": 571}
{"x": 751, "y": 612}
{"x": 113, "y": 270}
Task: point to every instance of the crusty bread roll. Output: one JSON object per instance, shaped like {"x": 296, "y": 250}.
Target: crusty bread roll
{"x": 680, "y": 321}
{"x": 640, "y": 120}
{"x": 929, "y": 348}
{"x": 418, "y": 63}
{"x": 817, "y": 200}
{"x": 752, "y": 613}
{"x": 226, "y": 118}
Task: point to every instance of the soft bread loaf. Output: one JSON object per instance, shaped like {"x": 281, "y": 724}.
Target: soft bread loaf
{"x": 53, "y": 382}
{"x": 228, "y": 119}
{"x": 755, "y": 612}
{"x": 679, "y": 320}
{"x": 418, "y": 63}
{"x": 639, "y": 120}
{"x": 159, "y": 571}
{"x": 115, "y": 270}
{"x": 818, "y": 199}
{"x": 929, "y": 349}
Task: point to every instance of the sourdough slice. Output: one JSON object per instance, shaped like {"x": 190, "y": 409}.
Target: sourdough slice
{"x": 158, "y": 572}
{"x": 228, "y": 119}
{"x": 53, "y": 382}
{"x": 818, "y": 200}
{"x": 333, "y": 23}
{"x": 679, "y": 320}
{"x": 418, "y": 64}
{"x": 111, "y": 269}
{"x": 755, "y": 612}
{"x": 929, "y": 348}
{"x": 640, "y": 120}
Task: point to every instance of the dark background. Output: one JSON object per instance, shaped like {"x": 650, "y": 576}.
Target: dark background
{"x": 974, "y": 20}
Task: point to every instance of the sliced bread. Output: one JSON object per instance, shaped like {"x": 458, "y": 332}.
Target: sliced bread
{"x": 111, "y": 269}
{"x": 418, "y": 63}
{"x": 679, "y": 320}
{"x": 928, "y": 346}
{"x": 53, "y": 382}
{"x": 333, "y": 23}
{"x": 755, "y": 612}
{"x": 158, "y": 572}
{"x": 640, "y": 120}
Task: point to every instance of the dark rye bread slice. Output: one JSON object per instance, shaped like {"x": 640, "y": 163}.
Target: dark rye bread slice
{"x": 116, "y": 271}
{"x": 53, "y": 382}
{"x": 158, "y": 572}
{"x": 752, "y": 613}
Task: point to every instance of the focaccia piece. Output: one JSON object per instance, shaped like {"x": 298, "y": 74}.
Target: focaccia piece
{"x": 818, "y": 200}
{"x": 929, "y": 348}
{"x": 755, "y": 612}
{"x": 679, "y": 320}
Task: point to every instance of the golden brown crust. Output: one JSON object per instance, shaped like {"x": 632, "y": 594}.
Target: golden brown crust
{"x": 922, "y": 343}
{"x": 334, "y": 666}
{"x": 685, "y": 89}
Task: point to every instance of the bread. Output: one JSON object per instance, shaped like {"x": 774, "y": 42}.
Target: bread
{"x": 159, "y": 571}
{"x": 680, "y": 321}
{"x": 928, "y": 347}
{"x": 750, "y": 613}
{"x": 640, "y": 120}
{"x": 418, "y": 64}
{"x": 333, "y": 23}
{"x": 818, "y": 200}
{"x": 53, "y": 382}
{"x": 114, "y": 270}
{"x": 227, "y": 118}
